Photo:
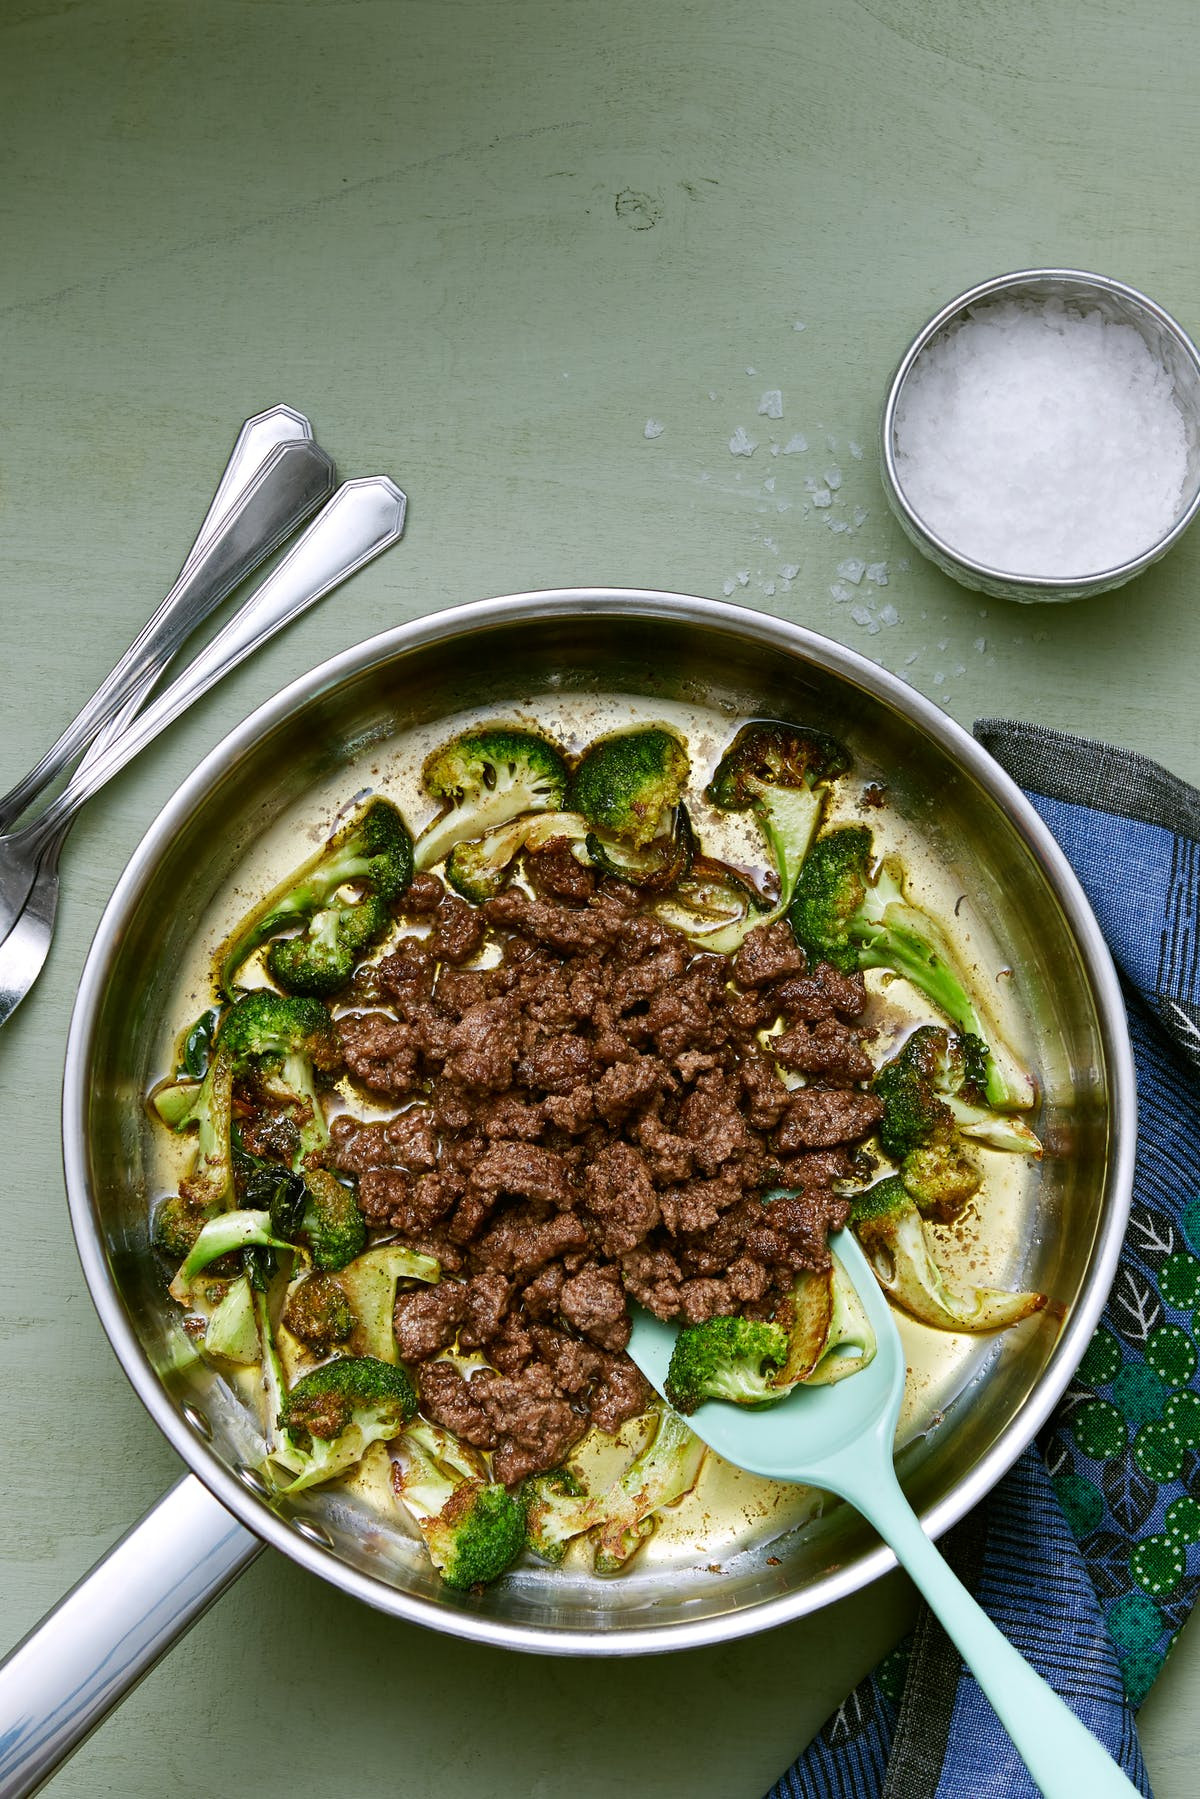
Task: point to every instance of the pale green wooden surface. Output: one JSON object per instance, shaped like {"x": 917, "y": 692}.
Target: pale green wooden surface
{"x": 483, "y": 244}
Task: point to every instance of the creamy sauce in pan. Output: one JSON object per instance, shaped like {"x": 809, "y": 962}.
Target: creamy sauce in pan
{"x": 729, "y": 1512}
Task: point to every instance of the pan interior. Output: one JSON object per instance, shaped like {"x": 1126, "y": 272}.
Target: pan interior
{"x": 269, "y": 797}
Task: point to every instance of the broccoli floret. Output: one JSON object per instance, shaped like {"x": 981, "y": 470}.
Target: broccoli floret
{"x": 282, "y": 1040}
{"x": 628, "y": 784}
{"x": 327, "y": 1422}
{"x": 844, "y": 914}
{"x": 891, "y": 1230}
{"x": 209, "y": 1107}
{"x": 925, "y": 1119}
{"x": 222, "y": 1235}
{"x": 176, "y": 1225}
{"x": 318, "y": 1312}
{"x": 484, "y": 777}
{"x": 726, "y": 1358}
{"x": 619, "y": 1518}
{"x": 478, "y": 868}
{"x": 658, "y": 866}
{"x": 322, "y": 1213}
{"x": 780, "y": 772}
{"x": 372, "y": 854}
{"x": 473, "y": 1528}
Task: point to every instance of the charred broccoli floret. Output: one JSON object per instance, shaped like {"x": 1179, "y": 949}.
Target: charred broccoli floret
{"x": 620, "y": 1517}
{"x": 318, "y": 1312}
{"x": 726, "y": 1358}
{"x": 627, "y": 785}
{"x": 327, "y": 1422}
{"x": 372, "y": 855}
{"x": 318, "y": 1210}
{"x": 845, "y": 914}
{"x": 891, "y": 1230}
{"x": 176, "y": 1224}
{"x": 782, "y": 773}
{"x": 484, "y": 777}
{"x": 282, "y": 1040}
{"x": 473, "y": 1528}
{"x": 927, "y": 1118}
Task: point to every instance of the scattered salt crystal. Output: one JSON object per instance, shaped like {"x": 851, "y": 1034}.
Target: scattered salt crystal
{"x": 877, "y": 572}
{"x": 743, "y": 577}
{"x": 821, "y": 495}
{"x": 712, "y": 393}
{"x": 770, "y": 544}
{"x": 938, "y": 678}
{"x": 840, "y": 591}
{"x": 1042, "y": 440}
{"x": 740, "y": 444}
{"x": 980, "y": 644}
{"x": 836, "y": 525}
{"x": 768, "y": 587}
{"x": 796, "y": 444}
{"x": 861, "y": 615}
{"x": 860, "y": 516}
{"x": 833, "y": 478}
{"x": 856, "y": 450}
{"x": 852, "y": 569}
{"x": 783, "y": 505}
{"x": 653, "y": 428}
{"x": 750, "y": 371}
{"x": 790, "y": 571}
{"x": 943, "y": 644}
{"x": 911, "y": 658}
{"x": 769, "y": 484}
{"x": 771, "y": 404}
{"x": 774, "y": 448}
{"x": 959, "y": 669}
{"x": 727, "y": 586}
{"x": 798, "y": 325}
{"x": 888, "y": 615}
{"x": 904, "y": 565}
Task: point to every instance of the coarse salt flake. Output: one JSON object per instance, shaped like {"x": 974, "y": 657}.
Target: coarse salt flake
{"x": 653, "y": 428}
{"x": 1041, "y": 439}
{"x": 741, "y": 443}
{"x": 771, "y": 404}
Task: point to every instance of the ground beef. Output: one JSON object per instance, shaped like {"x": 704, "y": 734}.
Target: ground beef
{"x": 587, "y": 1117}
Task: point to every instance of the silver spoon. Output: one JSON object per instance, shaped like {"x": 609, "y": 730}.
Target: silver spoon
{"x": 256, "y": 511}
{"x": 361, "y": 520}
{"x": 24, "y": 950}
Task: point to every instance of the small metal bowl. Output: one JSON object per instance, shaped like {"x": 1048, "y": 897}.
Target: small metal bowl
{"x": 1167, "y": 342}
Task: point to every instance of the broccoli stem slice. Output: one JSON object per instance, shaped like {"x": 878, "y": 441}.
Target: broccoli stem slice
{"x": 888, "y": 932}
{"x": 622, "y": 1516}
{"x": 369, "y": 1282}
{"x": 221, "y": 1235}
{"x": 831, "y": 1335}
{"x": 894, "y": 1235}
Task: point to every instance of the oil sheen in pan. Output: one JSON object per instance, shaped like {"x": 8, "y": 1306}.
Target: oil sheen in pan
{"x": 729, "y": 1513}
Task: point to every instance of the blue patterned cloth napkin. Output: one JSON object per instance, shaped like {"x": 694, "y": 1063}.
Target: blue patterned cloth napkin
{"x": 1087, "y": 1555}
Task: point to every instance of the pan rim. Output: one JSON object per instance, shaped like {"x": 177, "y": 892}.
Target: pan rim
{"x": 779, "y": 634}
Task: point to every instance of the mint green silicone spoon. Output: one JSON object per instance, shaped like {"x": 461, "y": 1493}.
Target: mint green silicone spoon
{"x": 841, "y": 1438}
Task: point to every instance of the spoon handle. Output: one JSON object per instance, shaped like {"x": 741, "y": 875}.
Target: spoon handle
{"x": 362, "y": 519}
{"x": 1064, "y": 1759}
{"x": 236, "y": 536}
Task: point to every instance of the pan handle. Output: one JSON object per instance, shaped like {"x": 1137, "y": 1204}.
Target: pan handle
{"x": 64, "y": 1678}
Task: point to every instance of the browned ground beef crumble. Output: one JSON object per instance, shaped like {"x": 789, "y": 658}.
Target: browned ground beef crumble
{"x": 591, "y": 1117}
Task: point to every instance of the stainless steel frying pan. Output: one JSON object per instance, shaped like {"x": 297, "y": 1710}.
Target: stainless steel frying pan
{"x": 277, "y": 777}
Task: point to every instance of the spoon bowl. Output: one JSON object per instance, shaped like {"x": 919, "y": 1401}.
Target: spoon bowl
{"x": 841, "y": 1438}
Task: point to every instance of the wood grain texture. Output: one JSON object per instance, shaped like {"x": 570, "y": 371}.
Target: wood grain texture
{"x": 483, "y": 246}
